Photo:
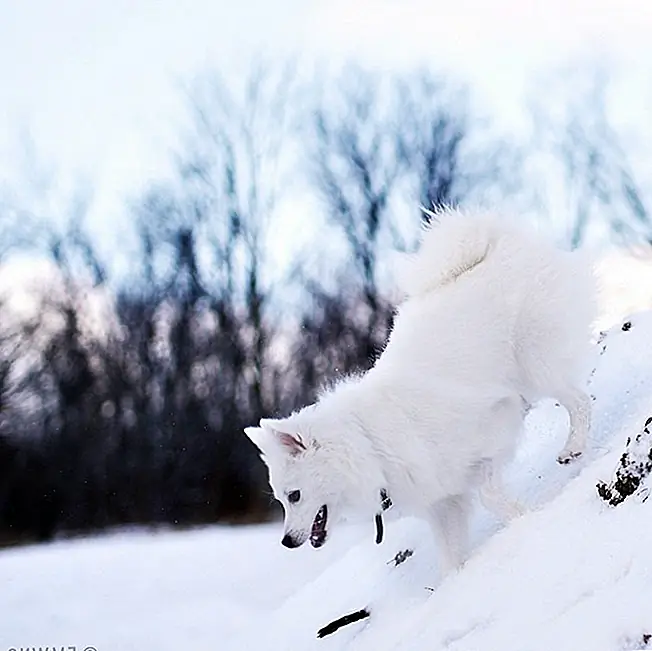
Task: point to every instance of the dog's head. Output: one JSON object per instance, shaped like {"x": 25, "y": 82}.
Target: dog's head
{"x": 308, "y": 477}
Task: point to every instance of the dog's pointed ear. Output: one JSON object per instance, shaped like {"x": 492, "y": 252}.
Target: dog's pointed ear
{"x": 290, "y": 442}
{"x": 257, "y": 436}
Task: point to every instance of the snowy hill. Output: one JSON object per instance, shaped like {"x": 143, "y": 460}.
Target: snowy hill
{"x": 573, "y": 573}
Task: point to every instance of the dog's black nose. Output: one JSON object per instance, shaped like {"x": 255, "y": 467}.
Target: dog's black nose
{"x": 289, "y": 542}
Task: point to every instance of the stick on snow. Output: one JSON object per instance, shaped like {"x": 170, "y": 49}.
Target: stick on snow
{"x": 335, "y": 625}
{"x": 401, "y": 557}
{"x": 343, "y": 621}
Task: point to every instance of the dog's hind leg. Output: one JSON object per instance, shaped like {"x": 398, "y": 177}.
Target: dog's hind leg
{"x": 449, "y": 519}
{"x": 578, "y": 405}
{"x": 493, "y": 494}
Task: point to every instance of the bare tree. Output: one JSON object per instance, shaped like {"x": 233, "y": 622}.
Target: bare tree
{"x": 382, "y": 146}
{"x": 147, "y": 411}
{"x": 598, "y": 178}
{"x": 432, "y": 129}
{"x": 230, "y": 175}
{"x": 204, "y": 243}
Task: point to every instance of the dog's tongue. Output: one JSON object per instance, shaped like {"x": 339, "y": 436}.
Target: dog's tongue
{"x": 318, "y": 533}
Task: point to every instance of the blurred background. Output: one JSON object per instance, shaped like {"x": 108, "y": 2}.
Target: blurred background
{"x": 200, "y": 201}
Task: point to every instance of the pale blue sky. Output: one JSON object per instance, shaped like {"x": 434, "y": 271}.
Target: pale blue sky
{"x": 94, "y": 80}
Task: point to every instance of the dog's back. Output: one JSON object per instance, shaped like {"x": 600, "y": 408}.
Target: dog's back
{"x": 489, "y": 289}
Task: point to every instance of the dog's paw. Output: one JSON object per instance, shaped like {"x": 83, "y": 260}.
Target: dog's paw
{"x": 567, "y": 456}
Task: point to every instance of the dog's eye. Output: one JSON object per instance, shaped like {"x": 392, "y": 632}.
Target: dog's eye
{"x": 294, "y": 496}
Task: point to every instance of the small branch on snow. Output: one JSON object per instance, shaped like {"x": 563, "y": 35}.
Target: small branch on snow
{"x": 343, "y": 621}
{"x": 634, "y": 466}
{"x": 401, "y": 557}
{"x": 335, "y": 625}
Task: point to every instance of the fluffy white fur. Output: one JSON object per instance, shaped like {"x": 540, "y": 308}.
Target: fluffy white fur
{"x": 494, "y": 319}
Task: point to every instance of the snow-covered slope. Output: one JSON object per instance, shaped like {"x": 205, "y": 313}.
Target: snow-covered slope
{"x": 572, "y": 573}
{"x": 137, "y": 590}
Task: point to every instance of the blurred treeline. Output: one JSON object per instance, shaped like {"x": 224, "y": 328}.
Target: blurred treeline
{"x": 258, "y": 272}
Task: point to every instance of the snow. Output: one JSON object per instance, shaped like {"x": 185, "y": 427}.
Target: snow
{"x": 133, "y": 589}
{"x": 625, "y": 280}
{"x": 572, "y": 573}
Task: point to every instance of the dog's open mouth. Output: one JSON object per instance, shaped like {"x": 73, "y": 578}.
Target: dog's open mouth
{"x": 318, "y": 532}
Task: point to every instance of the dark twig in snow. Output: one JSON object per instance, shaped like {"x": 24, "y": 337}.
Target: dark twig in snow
{"x": 343, "y": 621}
{"x": 401, "y": 557}
{"x": 335, "y": 625}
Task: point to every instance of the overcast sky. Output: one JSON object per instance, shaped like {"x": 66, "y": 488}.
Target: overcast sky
{"x": 94, "y": 80}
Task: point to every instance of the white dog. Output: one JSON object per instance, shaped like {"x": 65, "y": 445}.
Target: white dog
{"x": 493, "y": 320}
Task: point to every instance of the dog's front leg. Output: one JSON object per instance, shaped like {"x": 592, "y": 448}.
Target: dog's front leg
{"x": 449, "y": 519}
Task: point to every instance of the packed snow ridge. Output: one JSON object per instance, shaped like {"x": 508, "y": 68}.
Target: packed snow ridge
{"x": 573, "y": 573}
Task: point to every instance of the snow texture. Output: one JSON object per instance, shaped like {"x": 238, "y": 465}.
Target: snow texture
{"x": 572, "y": 573}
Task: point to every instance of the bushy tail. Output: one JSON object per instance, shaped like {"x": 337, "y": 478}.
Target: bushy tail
{"x": 451, "y": 246}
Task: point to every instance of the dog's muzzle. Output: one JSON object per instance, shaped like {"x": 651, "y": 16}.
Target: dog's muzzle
{"x": 290, "y": 542}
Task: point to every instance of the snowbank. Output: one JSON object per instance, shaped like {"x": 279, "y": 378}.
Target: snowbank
{"x": 572, "y": 573}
